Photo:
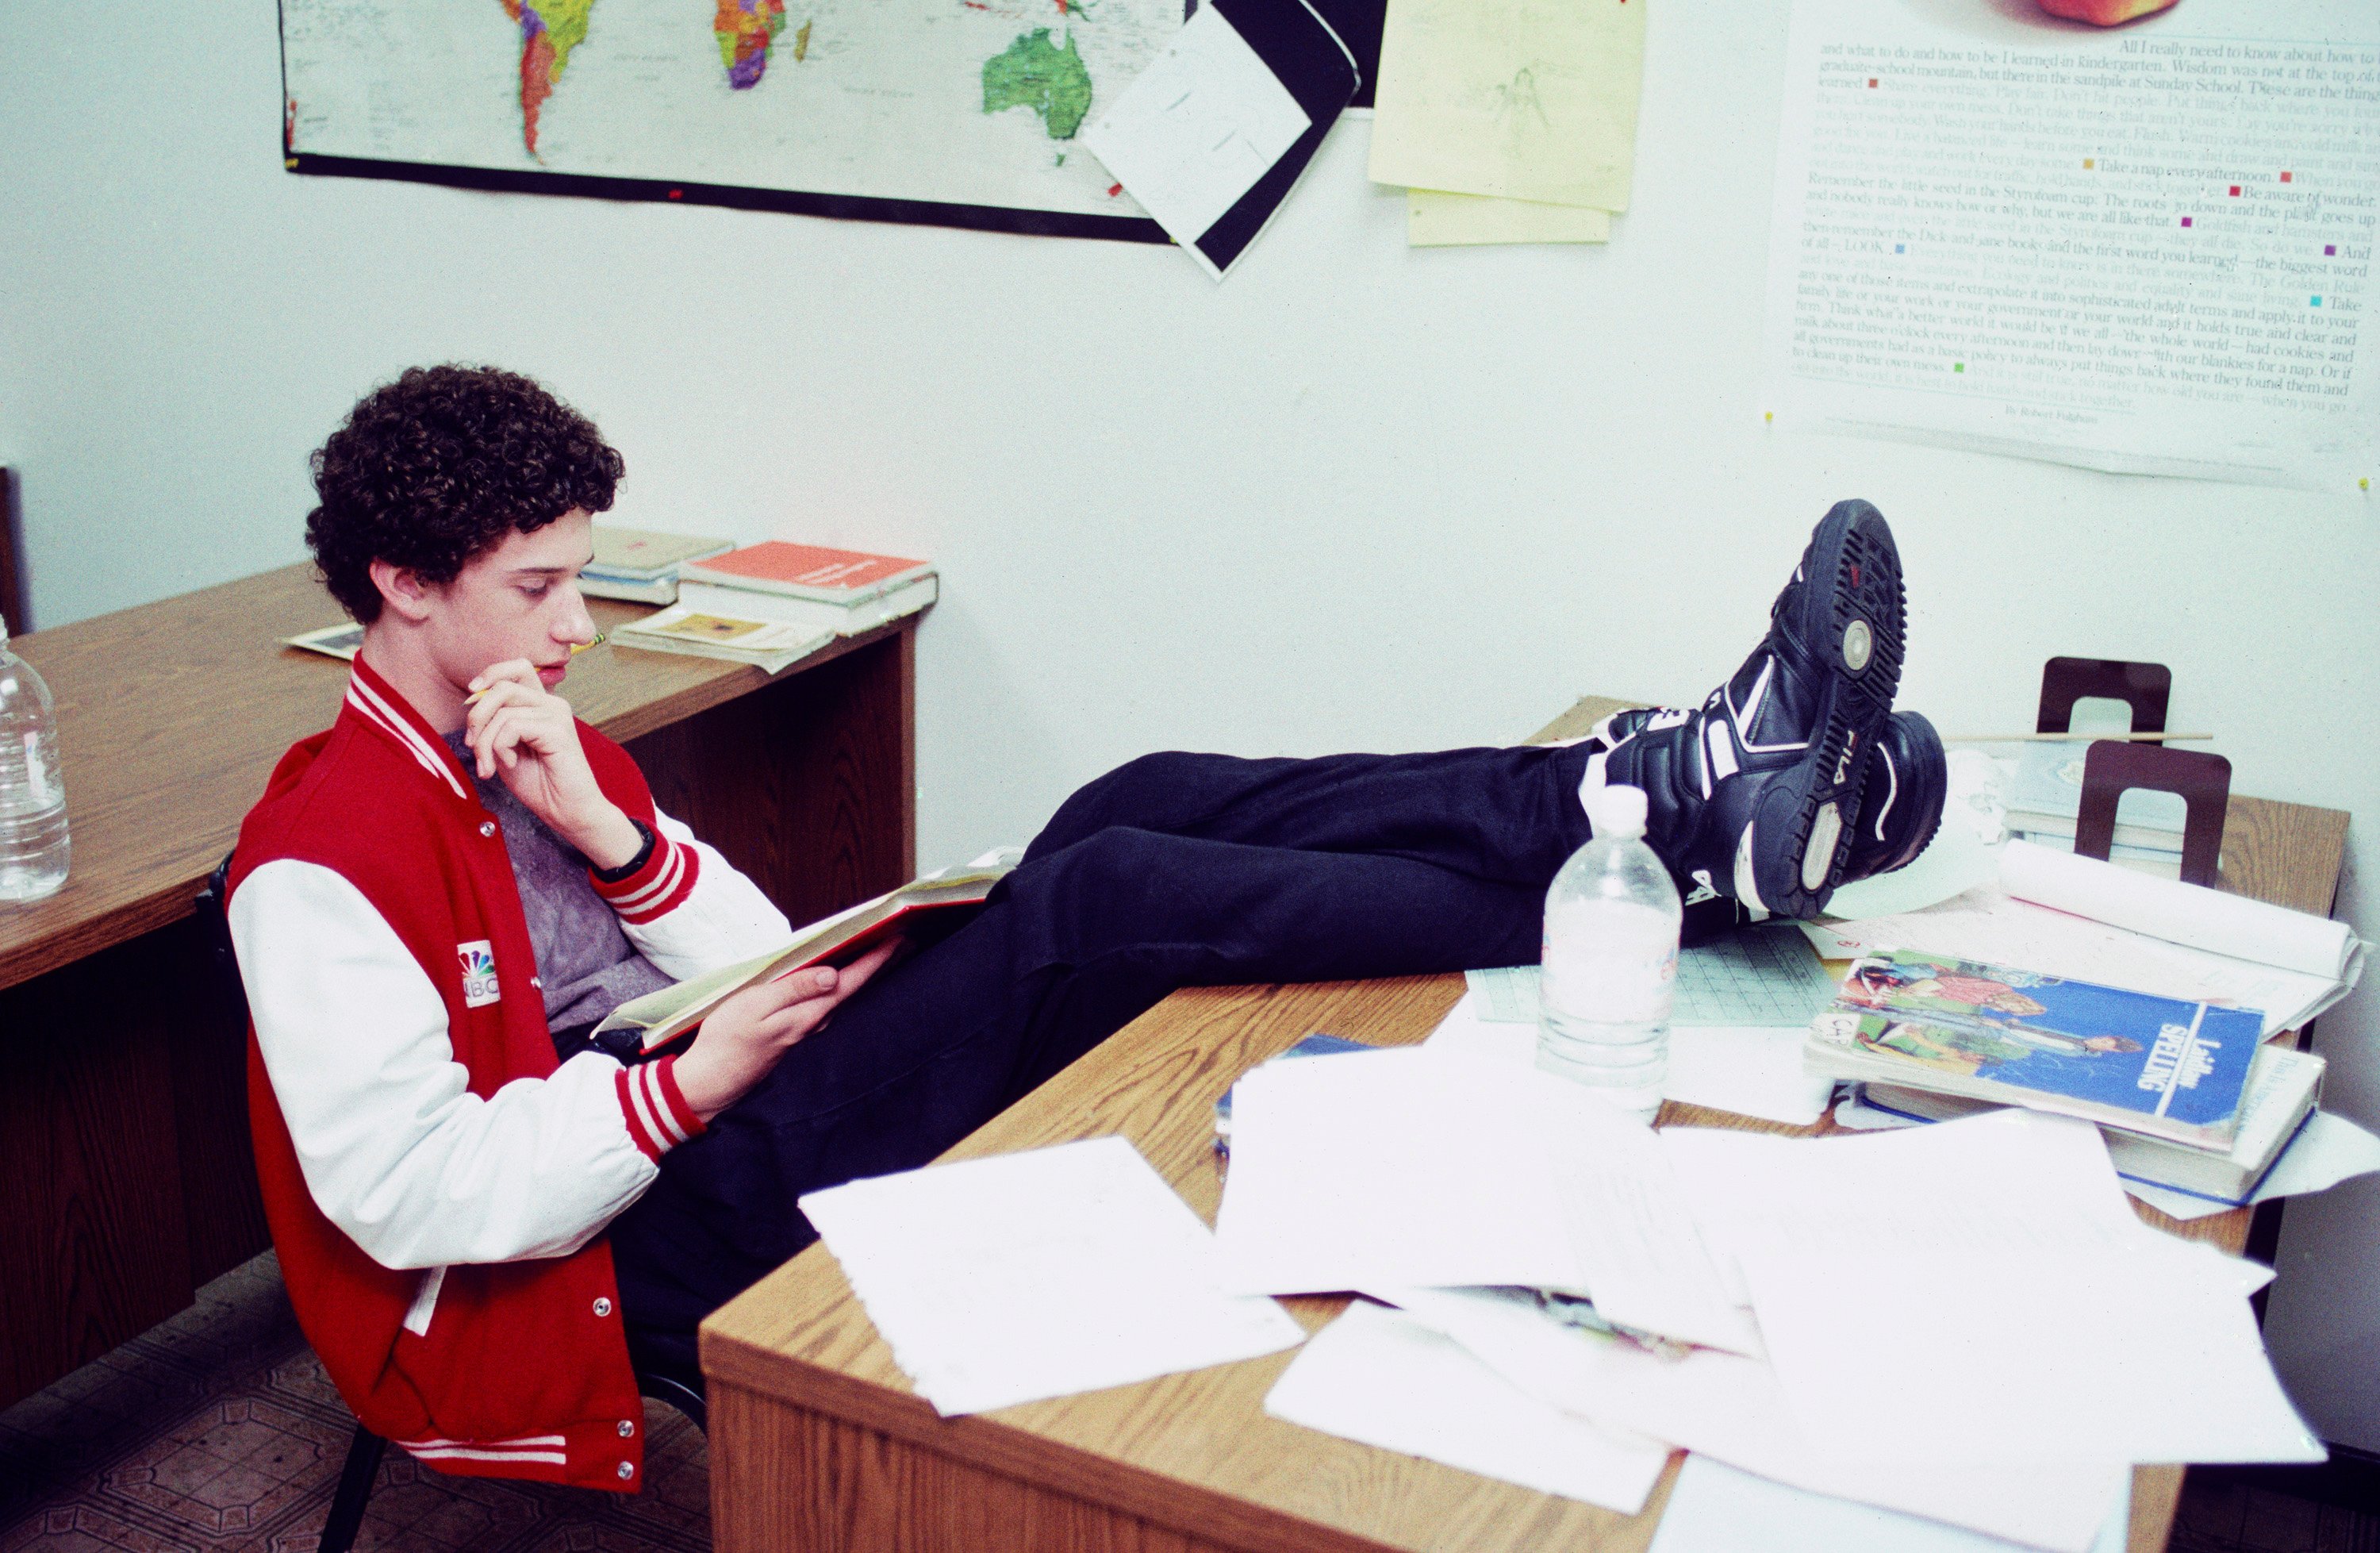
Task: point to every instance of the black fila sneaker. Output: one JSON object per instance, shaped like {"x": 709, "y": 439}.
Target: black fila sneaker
{"x": 1756, "y": 793}
{"x": 1900, "y": 806}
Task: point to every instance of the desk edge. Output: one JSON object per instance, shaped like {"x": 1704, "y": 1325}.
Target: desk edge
{"x": 1203, "y": 1515}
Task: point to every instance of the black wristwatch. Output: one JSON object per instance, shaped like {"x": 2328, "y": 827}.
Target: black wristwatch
{"x": 646, "y": 841}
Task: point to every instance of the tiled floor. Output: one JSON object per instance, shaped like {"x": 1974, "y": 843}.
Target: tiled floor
{"x": 218, "y": 1431}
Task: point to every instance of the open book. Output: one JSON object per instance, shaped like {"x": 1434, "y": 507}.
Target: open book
{"x": 661, "y": 1017}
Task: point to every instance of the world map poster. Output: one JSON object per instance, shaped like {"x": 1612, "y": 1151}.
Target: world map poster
{"x": 961, "y": 113}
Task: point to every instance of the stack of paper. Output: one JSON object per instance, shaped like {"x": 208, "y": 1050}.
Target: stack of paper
{"x": 1509, "y": 120}
{"x": 1039, "y": 1275}
{"x": 1964, "y": 1322}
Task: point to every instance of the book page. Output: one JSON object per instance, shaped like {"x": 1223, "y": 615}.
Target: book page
{"x": 2145, "y": 250}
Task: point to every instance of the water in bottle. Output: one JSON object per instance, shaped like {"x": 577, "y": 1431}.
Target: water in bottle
{"x": 32, "y": 795}
{"x": 1611, "y": 971}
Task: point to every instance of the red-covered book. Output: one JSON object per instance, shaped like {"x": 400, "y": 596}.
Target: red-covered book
{"x": 811, "y": 572}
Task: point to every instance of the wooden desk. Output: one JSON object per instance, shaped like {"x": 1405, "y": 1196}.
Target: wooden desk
{"x": 818, "y": 1441}
{"x": 125, "y": 1179}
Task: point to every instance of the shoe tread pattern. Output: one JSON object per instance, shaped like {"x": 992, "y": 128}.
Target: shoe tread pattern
{"x": 1859, "y": 701}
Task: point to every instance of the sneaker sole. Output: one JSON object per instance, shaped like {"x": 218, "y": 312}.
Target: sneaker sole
{"x": 1926, "y": 754}
{"x": 1817, "y": 804}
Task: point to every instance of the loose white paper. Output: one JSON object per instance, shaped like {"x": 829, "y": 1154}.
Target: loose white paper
{"x": 1645, "y": 1262}
{"x": 1401, "y": 1166}
{"x": 1714, "y": 1509}
{"x": 1732, "y": 1408}
{"x": 1992, "y": 1270}
{"x": 1754, "y": 1073}
{"x": 1375, "y": 1376}
{"x": 1196, "y": 129}
{"x": 1040, "y": 1274}
{"x": 1469, "y": 1028}
{"x": 1416, "y": 1165}
{"x": 2161, "y": 265}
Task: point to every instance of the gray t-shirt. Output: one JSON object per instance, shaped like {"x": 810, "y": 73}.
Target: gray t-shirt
{"x": 583, "y": 957}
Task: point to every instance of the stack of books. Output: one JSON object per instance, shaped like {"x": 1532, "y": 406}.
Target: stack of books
{"x": 775, "y": 604}
{"x": 2186, "y": 1093}
{"x": 2045, "y": 799}
{"x": 846, "y": 591}
{"x": 642, "y": 566}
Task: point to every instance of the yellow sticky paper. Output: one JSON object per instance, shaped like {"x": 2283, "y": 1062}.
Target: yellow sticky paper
{"x": 1520, "y": 99}
{"x": 1437, "y": 220}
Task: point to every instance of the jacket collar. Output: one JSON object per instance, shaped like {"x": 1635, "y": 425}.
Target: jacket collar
{"x": 377, "y": 701}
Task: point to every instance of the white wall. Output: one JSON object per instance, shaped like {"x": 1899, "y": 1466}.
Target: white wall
{"x": 1356, "y": 497}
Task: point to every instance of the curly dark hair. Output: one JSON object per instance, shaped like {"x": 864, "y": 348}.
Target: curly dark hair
{"x": 435, "y": 468}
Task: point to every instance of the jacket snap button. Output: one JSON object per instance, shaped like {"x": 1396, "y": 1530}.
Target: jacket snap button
{"x": 537, "y": 982}
{"x": 602, "y": 1306}
{"x": 628, "y": 1429}
{"x": 487, "y": 828}
{"x": 627, "y": 1470}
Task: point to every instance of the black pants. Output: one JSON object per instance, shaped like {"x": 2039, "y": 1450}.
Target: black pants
{"x": 1175, "y": 870}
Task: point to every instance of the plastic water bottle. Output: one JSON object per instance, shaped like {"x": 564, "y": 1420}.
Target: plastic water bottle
{"x": 1611, "y": 971}
{"x": 32, "y": 795}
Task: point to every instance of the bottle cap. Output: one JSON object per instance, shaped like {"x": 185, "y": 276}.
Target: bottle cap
{"x": 1617, "y": 812}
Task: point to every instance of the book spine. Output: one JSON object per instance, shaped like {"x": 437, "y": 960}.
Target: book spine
{"x": 694, "y": 572}
{"x": 712, "y": 598}
{"x": 661, "y": 592}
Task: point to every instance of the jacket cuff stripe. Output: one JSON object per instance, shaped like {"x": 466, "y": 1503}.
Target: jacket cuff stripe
{"x": 670, "y": 1100}
{"x": 642, "y": 1129}
{"x": 659, "y": 887}
{"x": 655, "y": 1109}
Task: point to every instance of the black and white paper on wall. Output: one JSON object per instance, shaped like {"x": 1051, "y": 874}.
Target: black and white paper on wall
{"x": 1211, "y": 137}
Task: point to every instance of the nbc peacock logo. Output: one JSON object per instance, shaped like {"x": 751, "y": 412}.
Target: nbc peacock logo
{"x": 478, "y": 957}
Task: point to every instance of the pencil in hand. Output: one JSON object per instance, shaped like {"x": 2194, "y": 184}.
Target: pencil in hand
{"x": 575, "y": 648}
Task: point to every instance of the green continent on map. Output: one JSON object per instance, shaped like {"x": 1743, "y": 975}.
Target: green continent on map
{"x": 548, "y": 31}
{"x": 1034, "y": 73}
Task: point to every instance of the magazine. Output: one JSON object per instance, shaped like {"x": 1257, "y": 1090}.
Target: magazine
{"x": 2160, "y": 1066}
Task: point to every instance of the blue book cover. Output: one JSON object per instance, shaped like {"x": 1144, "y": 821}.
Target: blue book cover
{"x": 2162, "y": 1066}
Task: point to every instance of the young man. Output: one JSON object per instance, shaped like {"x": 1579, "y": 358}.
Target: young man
{"x": 479, "y": 1216}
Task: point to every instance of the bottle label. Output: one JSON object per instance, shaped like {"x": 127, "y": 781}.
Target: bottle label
{"x": 1610, "y": 962}
{"x": 37, "y": 774}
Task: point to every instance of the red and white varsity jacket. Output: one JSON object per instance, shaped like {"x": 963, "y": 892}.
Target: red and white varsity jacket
{"x": 437, "y": 1184}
